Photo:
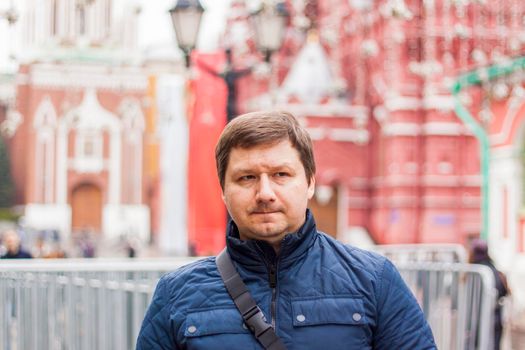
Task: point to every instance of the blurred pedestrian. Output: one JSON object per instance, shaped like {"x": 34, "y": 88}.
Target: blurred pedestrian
{"x": 479, "y": 254}
{"x": 85, "y": 244}
{"x": 13, "y": 246}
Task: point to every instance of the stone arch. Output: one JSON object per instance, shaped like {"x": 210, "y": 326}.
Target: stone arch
{"x": 86, "y": 205}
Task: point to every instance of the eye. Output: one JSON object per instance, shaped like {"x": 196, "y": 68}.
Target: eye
{"x": 246, "y": 178}
{"x": 281, "y": 174}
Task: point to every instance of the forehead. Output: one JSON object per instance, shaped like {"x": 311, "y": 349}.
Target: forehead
{"x": 10, "y": 235}
{"x": 277, "y": 154}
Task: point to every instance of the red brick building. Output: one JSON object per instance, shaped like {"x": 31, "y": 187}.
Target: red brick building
{"x": 78, "y": 157}
{"x": 372, "y": 82}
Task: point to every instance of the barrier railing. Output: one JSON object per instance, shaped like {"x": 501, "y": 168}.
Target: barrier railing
{"x": 399, "y": 253}
{"x": 100, "y": 304}
{"x": 458, "y": 301}
{"x": 76, "y": 304}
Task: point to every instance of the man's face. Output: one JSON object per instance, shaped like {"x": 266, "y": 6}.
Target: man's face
{"x": 266, "y": 191}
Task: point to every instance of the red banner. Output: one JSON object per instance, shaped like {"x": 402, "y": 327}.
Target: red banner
{"x": 206, "y": 211}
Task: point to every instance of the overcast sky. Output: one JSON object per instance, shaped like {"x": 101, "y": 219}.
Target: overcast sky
{"x": 155, "y": 28}
{"x": 155, "y": 31}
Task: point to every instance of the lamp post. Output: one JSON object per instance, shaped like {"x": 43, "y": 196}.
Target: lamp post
{"x": 269, "y": 24}
{"x": 186, "y": 18}
{"x": 10, "y": 15}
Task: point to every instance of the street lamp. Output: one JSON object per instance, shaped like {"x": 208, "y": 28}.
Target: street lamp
{"x": 269, "y": 23}
{"x": 11, "y": 15}
{"x": 186, "y": 18}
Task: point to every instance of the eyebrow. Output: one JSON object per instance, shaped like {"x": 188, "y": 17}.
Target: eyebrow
{"x": 287, "y": 166}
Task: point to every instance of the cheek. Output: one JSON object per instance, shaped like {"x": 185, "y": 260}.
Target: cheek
{"x": 233, "y": 199}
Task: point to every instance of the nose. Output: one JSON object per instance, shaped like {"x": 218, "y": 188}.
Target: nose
{"x": 265, "y": 192}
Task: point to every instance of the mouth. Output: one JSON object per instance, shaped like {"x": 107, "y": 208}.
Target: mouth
{"x": 265, "y": 212}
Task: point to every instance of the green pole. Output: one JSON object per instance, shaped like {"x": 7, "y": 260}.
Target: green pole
{"x": 477, "y": 77}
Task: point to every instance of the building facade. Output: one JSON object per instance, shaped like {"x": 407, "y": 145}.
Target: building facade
{"x": 372, "y": 81}
{"x": 81, "y": 120}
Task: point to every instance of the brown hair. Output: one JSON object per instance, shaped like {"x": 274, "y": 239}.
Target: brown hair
{"x": 259, "y": 128}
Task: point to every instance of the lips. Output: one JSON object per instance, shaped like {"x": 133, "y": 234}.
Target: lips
{"x": 265, "y": 212}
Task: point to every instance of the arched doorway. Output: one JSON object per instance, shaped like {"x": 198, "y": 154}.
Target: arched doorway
{"x": 324, "y": 208}
{"x": 86, "y": 204}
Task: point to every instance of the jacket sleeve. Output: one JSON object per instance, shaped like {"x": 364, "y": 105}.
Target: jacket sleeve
{"x": 155, "y": 332}
{"x": 401, "y": 323}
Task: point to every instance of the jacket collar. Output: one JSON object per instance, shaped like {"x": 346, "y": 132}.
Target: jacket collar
{"x": 257, "y": 255}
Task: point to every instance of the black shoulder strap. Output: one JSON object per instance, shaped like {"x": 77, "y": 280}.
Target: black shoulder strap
{"x": 252, "y": 315}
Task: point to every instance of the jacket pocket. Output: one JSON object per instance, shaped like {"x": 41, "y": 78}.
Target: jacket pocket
{"x": 333, "y": 310}
{"x": 221, "y": 328}
{"x": 342, "y": 317}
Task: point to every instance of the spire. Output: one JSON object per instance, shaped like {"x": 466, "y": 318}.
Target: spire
{"x": 310, "y": 78}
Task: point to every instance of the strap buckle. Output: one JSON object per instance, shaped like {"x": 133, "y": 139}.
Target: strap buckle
{"x": 256, "y": 321}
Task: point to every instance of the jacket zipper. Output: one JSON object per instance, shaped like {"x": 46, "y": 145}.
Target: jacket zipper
{"x": 272, "y": 279}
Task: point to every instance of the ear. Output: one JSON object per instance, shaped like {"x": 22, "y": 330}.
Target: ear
{"x": 311, "y": 188}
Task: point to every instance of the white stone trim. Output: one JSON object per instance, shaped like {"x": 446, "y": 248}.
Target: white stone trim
{"x": 45, "y": 110}
{"x": 514, "y": 105}
{"x": 317, "y": 133}
{"x": 444, "y": 129}
{"x": 48, "y": 216}
{"x": 328, "y": 110}
{"x": 87, "y": 76}
{"x": 8, "y": 92}
{"x": 357, "y": 202}
{"x": 506, "y": 172}
{"x": 427, "y": 180}
{"x": 505, "y": 152}
{"x": 339, "y": 134}
{"x": 428, "y": 129}
{"x": 396, "y": 180}
{"x": 359, "y": 183}
{"x": 130, "y": 220}
{"x": 403, "y": 103}
{"x": 115, "y": 166}
{"x": 88, "y": 163}
{"x": 401, "y": 129}
{"x": 439, "y": 102}
{"x": 403, "y": 200}
{"x": 44, "y": 123}
{"x": 349, "y": 135}
{"x": 61, "y": 164}
{"x": 471, "y": 180}
{"x": 133, "y": 123}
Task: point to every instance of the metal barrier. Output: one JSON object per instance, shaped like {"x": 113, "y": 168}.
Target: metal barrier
{"x": 400, "y": 253}
{"x": 76, "y": 304}
{"x": 458, "y": 301}
{"x": 100, "y": 304}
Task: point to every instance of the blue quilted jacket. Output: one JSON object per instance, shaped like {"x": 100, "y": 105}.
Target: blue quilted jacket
{"x": 318, "y": 294}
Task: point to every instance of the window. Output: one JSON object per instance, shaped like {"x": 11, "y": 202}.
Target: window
{"x": 88, "y": 151}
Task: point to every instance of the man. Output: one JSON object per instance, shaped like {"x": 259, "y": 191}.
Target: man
{"x": 13, "y": 247}
{"x": 315, "y": 292}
